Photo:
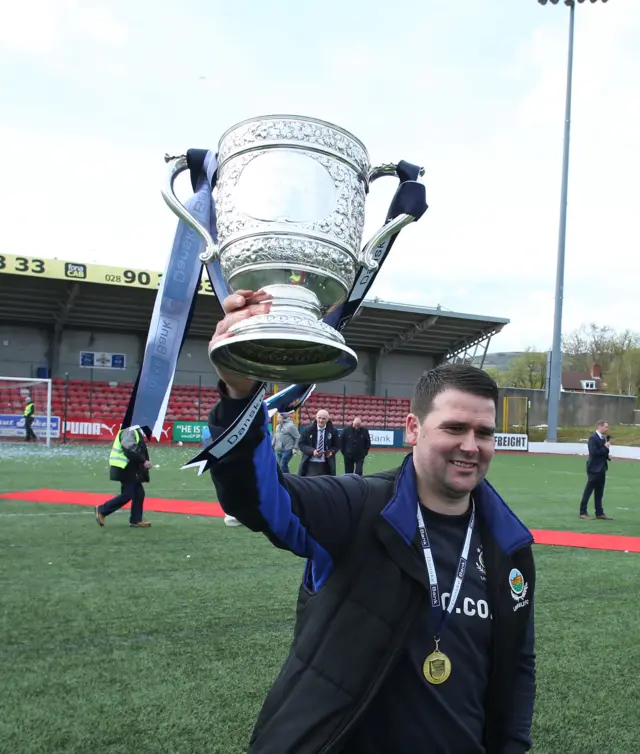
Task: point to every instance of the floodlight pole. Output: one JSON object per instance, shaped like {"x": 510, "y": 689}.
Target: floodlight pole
{"x": 555, "y": 381}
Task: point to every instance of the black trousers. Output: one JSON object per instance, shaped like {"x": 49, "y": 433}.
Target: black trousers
{"x": 29, "y": 434}
{"x": 595, "y": 484}
{"x": 317, "y": 469}
{"x": 129, "y": 491}
{"x": 350, "y": 463}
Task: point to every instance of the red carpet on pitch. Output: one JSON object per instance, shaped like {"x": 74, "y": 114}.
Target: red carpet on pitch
{"x": 596, "y": 541}
{"x": 589, "y": 541}
{"x": 155, "y": 504}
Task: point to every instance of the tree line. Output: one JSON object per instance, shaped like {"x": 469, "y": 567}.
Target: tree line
{"x": 616, "y": 353}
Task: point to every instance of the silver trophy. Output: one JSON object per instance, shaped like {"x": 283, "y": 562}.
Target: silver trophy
{"x": 290, "y": 201}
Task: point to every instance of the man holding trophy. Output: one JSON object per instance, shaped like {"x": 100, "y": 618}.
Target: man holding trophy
{"x": 380, "y": 662}
{"x": 401, "y": 644}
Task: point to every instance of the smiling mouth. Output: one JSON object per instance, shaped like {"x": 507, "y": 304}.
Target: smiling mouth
{"x": 464, "y": 464}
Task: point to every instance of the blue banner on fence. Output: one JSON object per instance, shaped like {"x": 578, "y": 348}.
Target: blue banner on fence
{"x": 12, "y": 425}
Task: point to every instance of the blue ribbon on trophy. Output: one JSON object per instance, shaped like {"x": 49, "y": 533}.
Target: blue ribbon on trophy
{"x": 173, "y": 308}
{"x": 199, "y": 228}
{"x": 174, "y": 305}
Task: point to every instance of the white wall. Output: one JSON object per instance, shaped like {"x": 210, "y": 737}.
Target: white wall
{"x": 357, "y": 383}
{"x": 74, "y": 341}
{"x": 580, "y": 449}
{"x": 194, "y": 365}
{"x": 28, "y": 346}
{"x": 27, "y": 349}
{"x": 22, "y": 350}
{"x": 398, "y": 373}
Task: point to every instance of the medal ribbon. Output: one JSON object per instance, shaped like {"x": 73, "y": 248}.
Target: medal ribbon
{"x": 439, "y": 613}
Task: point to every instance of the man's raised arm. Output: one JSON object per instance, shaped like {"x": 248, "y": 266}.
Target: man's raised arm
{"x": 312, "y": 517}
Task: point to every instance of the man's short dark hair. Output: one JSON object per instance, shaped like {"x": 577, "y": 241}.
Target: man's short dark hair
{"x": 462, "y": 377}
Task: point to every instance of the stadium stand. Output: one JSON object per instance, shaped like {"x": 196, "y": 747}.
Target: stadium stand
{"x": 108, "y": 400}
{"x": 51, "y": 309}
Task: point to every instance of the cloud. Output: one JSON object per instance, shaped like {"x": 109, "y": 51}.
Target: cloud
{"x": 493, "y": 223}
{"x": 42, "y": 28}
{"x": 99, "y": 92}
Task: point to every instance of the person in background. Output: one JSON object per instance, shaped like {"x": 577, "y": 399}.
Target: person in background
{"x": 129, "y": 464}
{"x": 29, "y": 416}
{"x": 597, "y": 465}
{"x": 285, "y": 441}
{"x": 319, "y": 445}
{"x": 355, "y": 443}
{"x": 206, "y": 439}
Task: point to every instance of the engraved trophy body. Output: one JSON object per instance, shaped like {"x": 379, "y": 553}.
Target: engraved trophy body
{"x": 290, "y": 201}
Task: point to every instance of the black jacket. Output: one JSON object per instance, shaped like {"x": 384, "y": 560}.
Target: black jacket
{"x": 355, "y": 443}
{"x": 137, "y": 453}
{"x": 307, "y": 445}
{"x": 364, "y": 584}
{"x": 598, "y": 455}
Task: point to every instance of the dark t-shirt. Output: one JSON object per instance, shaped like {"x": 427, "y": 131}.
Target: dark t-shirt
{"x": 409, "y": 715}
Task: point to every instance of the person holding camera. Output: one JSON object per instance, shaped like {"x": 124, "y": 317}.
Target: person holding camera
{"x": 597, "y": 465}
{"x": 319, "y": 445}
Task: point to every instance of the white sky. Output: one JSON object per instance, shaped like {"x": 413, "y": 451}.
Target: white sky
{"x": 93, "y": 95}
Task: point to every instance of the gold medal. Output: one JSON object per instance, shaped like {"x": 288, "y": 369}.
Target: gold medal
{"x": 437, "y": 666}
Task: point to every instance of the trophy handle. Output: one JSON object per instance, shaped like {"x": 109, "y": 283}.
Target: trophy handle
{"x": 178, "y": 165}
{"x": 367, "y": 254}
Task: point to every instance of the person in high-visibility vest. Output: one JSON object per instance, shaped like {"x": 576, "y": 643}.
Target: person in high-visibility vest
{"x": 29, "y": 416}
{"x": 129, "y": 464}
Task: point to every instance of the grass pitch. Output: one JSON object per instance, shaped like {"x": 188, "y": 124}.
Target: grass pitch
{"x": 122, "y": 640}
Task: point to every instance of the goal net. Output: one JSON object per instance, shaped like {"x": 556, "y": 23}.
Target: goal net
{"x": 16, "y": 395}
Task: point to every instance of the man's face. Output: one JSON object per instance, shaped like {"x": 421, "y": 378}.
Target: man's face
{"x": 454, "y": 445}
{"x": 604, "y": 429}
{"x": 322, "y": 417}
{"x": 280, "y": 418}
{"x": 357, "y": 422}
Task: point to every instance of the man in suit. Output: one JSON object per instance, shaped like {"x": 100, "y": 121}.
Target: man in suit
{"x": 355, "y": 443}
{"x": 318, "y": 445}
{"x": 597, "y": 466}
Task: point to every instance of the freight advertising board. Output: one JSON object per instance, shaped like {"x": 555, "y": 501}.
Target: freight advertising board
{"x": 511, "y": 442}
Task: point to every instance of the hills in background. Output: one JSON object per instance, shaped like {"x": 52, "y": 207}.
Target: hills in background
{"x": 500, "y": 360}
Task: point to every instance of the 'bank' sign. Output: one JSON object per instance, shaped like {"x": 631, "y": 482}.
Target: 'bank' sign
{"x": 381, "y": 437}
{"x": 511, "y": 442}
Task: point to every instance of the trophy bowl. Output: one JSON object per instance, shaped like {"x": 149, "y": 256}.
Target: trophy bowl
{"x": 290, "y": 203}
